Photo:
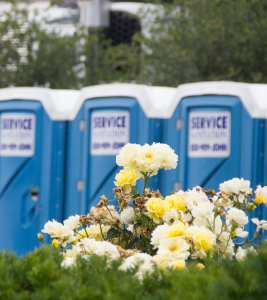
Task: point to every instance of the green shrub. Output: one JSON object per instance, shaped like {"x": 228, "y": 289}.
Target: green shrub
{"x": 40, "y": 276}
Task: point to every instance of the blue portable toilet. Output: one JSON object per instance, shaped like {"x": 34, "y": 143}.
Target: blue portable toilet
{"x": 218, "y": 131}
{"x": 106, "y": 118}
{"x": 32, "y": 158}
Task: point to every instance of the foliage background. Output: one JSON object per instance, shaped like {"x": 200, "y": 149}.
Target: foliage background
{"x": 39, "y": 276}
{"x": 194, "y": 40}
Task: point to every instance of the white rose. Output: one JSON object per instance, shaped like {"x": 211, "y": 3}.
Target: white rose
{"x": 222, "y": 202}
{"x": 169, "y": 158}
{"x": 148, "y": 159}
{"x": 200, "y": 222}
{"x": 236, "y": 186}
{"x": 193, "y": 197}
{"x": 142, "y": 260}
{"x": 72, "y": 222}
{"x": 170, "y": 216}
{"x": 185, "y": 218}
{"x": 128, "y": 215}
{"x": 73, "y": 252}
{"x": 158, "y": 234}
{"x": 240, "y": 254}
{"x": 173, "y": 249}
{"x": 241, "y": 233}
{"x": 218, "y": 223}
{"x": 241, "y": 198}
{"x": 106, "y": 248}
{"x": 224, "y": 237}
{"x": 68, "y": 261}
{"x": 88, "y": 244}
{"x": 127, "y": 155}
{"x": 229, "y": 251}
{"x": 251, "y": 249}
{"x": 57, "y": 230}
{"x": 238, "y": 216}
{"x": 261, "y": 191}
{"x": 202, "y": 209}
{"x": 260, "y": 224}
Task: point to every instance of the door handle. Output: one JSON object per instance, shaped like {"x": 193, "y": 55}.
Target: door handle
{"x": 34, "y": 193}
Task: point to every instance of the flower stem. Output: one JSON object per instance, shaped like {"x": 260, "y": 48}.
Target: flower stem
{"x": 84, "y": 226}
{"x": 101, "y": 231}
{"x": 228, "y": 240}
{"x": 145, "y": 182}
{"x": 109, "y": 211}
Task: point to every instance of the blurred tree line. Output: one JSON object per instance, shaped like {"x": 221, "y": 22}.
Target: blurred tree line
{"x": 33, "y": 56}
{"x": 189, "y": 40}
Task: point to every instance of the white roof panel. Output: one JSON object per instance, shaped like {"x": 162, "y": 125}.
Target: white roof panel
{"x": 57, "y": 103}
{"x": 154, "y": 101}
{"x": 252, "y": 96}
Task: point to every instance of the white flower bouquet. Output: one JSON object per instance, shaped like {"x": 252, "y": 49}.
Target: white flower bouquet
{"x": 148, "y": 230}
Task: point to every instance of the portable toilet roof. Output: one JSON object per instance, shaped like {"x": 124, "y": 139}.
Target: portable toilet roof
{"x": 252, "y": 96}
{"x": 155, "y": 101}
{"x": 57, "y": 103}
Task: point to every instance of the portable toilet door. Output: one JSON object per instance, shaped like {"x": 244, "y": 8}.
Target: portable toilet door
{"x": 106, "y": 118}
{"x": 32, "y": 157}
{"x": 217, "y": 129}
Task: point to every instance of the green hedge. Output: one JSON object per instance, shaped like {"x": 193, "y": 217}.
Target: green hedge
{"x": 39, "y": 276}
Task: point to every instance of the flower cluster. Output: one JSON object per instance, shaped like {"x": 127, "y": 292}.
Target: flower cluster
{"x": 143, "y": 161}
{"x": 148, "y": 230}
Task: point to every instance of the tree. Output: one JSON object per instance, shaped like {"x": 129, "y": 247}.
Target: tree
{"x": 201, "y": 40}
{"x": 190, "y": 40}
{"x": 32, "y": 56}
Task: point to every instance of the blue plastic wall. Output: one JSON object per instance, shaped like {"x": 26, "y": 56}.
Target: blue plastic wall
{"x": 21, "y": 218}
{"x": 98, "y": 172}
{"x": 264, "y": 209}
{"x": 247, "y": 147}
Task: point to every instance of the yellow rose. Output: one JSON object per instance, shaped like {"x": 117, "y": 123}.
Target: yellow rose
{"x": 203, "y": 241}
{"x": 178, "y": 264}
{"x": 176, "y": 230}
{"x": 251, "y": 206}
{"x": 156, "y": 209}
{"x": 175, "y": 201}
{"x": 93, "y": 232}
{"x": 127, "y": 178}
{"x": 55, "y": 243}
{"x": 200, "y": 266}
{"x": 259, "y": 200}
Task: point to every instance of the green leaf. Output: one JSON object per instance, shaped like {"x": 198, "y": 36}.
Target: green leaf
{"x": 127, "y": 232}
{"x": 143, "y": 248}
{"x": 131, "y": 245}
{"x": 112, "y": 233}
